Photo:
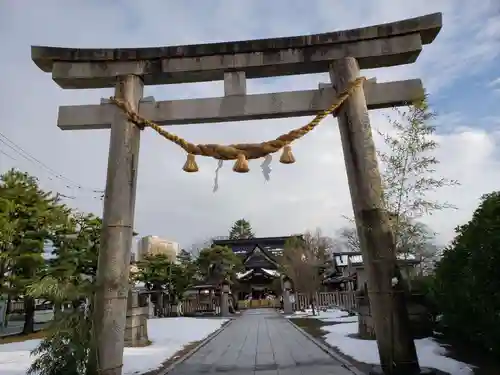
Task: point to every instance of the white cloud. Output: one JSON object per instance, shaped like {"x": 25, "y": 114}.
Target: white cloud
{"x": 313, "y": 192}
{"x": 494, "y": 83}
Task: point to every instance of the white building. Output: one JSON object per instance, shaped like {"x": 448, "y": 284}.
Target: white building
{"x": 152, "y": 245}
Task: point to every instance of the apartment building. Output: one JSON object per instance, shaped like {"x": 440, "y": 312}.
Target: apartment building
{"x": 151, "y": 245}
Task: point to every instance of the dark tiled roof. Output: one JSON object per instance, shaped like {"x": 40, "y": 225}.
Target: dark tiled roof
{"x": 251, "y": 242}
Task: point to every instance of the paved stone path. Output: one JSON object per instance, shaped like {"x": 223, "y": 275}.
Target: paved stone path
{"x": 261, "y": 342}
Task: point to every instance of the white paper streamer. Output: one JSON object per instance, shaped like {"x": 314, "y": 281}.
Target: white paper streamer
{"x": 266, "y": 167}
{"x": 216, "y": 179}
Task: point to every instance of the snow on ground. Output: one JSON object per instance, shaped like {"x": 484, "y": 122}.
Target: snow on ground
{"x": 328, "y": 315}
{"x": 168, "y": 336}
{"x": 430, "y": 353}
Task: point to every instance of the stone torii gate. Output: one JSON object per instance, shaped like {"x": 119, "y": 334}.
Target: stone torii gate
{"x": 342, "y": 54}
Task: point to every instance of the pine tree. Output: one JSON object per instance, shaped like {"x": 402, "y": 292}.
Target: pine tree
{"x": 156, "y": 272}
{"x": 69, "y": 277}
{"x": 31, "y": 216}
{"x": 218, "y": 263}
{"x": 241, "y": 229}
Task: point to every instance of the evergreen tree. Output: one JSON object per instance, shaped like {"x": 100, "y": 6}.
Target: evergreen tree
{"x": 467, "y": 281}
{"x": 218, "y": 263}
{"x": 31, "y": 216}
{"x": 69, "y": 277}
{"x": 156, "y": 272}
{"x": 241, "y": 229}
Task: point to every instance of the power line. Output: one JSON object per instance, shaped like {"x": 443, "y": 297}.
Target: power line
{"x": 4, "y": 153}
{"x": 27, "y": 156}
{"x": 50, "y": 178}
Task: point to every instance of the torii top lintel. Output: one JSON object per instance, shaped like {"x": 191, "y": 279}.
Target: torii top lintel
{"x": 376, "y": 46}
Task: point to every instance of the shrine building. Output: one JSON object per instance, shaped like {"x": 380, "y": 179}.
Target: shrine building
{"x": 260, "y": 259}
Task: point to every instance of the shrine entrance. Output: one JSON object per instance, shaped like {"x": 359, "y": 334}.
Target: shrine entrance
{"x": 260, "y": 284}
{"x": 259, "y": 292}
{"x": 348, "y": 97}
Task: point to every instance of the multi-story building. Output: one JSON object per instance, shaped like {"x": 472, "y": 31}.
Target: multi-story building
{"x": 152, "y": 245}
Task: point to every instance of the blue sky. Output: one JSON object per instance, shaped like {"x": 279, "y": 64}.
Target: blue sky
{"x": 472, "y": 98}
{"x": 457, "y": 70}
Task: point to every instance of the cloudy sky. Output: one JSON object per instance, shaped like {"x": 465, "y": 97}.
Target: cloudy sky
{"x": 460, "y": 70}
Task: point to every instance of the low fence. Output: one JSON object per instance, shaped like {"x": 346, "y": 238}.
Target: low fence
{"x": 17, "y": 307}
{"x": 343, "y": 300}
{"x": 258, "y": 303}
{"x": 193, "y": 306}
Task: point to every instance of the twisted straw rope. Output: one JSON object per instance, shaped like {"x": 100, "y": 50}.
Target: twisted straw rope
{"x": 249, "y": 150}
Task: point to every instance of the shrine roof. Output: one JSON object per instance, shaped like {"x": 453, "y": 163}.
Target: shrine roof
{"x": 252, "y": 242}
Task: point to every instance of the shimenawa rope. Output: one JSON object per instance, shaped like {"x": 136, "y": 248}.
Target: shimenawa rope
{"x": 244, "y": 151}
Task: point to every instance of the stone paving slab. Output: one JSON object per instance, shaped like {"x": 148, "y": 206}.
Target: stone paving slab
{"x": 261, "y": 342}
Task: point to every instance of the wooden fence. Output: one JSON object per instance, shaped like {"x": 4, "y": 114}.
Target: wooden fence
{"x": 256, "y": 303}
{"x": 193, "y": 306}
{"x": 343, "y": 300}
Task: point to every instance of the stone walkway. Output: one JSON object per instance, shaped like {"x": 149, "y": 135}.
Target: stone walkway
{"x": 261, "y": 342}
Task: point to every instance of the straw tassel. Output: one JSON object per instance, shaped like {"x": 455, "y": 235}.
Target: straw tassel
{"x": 241, "y": 165}
{"x": 287, "y": 155}
{"x": 190, "y": 165}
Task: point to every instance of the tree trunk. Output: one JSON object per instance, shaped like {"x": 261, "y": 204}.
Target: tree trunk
{"x": 159, "y": 304}
{"x": 57, "y": 310}
{"x": 311, "y": 303}
{"x": 7, "y": 310}
{"x": 29, "y": 315}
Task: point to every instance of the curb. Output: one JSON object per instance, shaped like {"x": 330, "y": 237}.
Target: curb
{"x": 18, "y": 334}
{"x": 345, "y": 363}
{"x": 189, "y": 354}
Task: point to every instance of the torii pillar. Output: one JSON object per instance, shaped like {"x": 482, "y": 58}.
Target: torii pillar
{"x": 388, "y": 305}
{"x": 112, "y": 290}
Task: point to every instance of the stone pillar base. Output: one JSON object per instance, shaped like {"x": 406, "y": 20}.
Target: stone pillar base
{"x": 287, "y": 304}
{"x": 224, "y": 305}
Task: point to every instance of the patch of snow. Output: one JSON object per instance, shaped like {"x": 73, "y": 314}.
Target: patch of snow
{"x": 240, "y": 275}
{"x": 430, "y": 353}
{"x": 168, "y": 336}
{"x": 327, "y": 316}
{"x": 271, "y": 272}
{"x": 15, "y": 358}
{"x": 330, "y": 315}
